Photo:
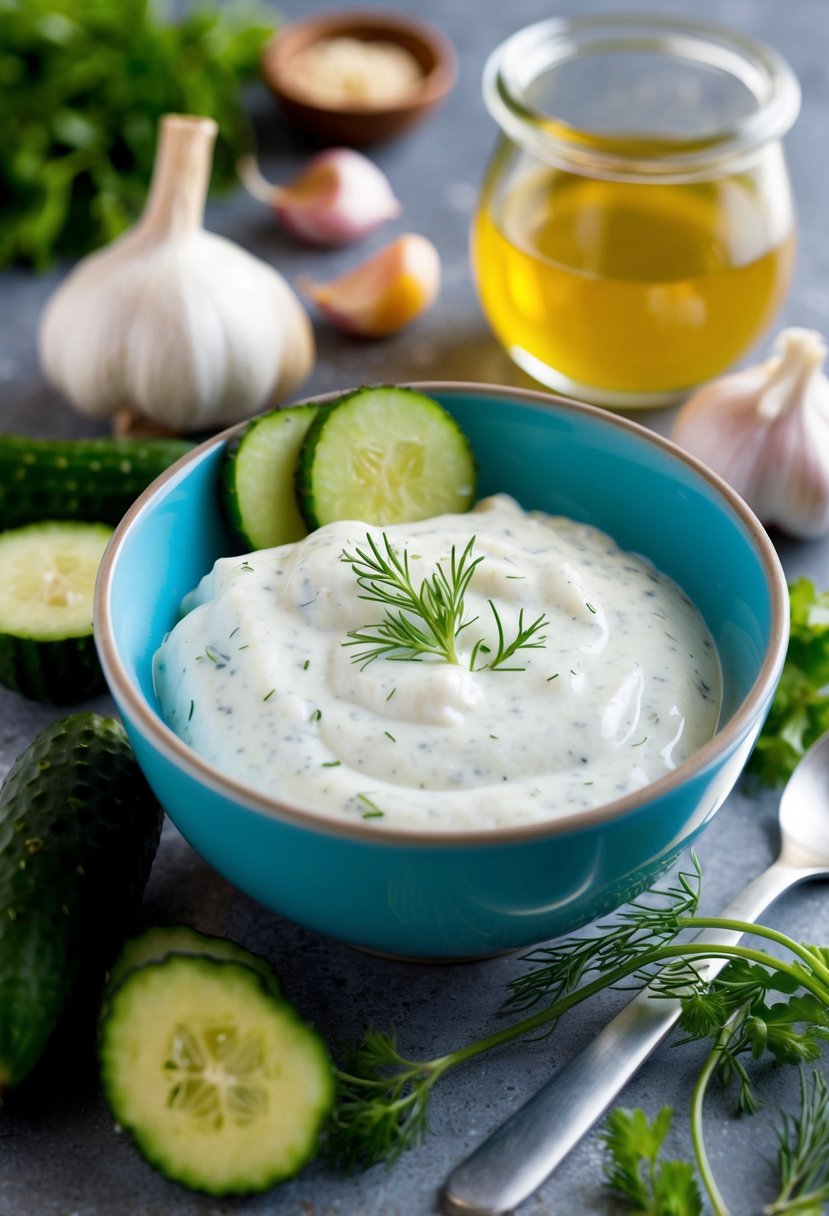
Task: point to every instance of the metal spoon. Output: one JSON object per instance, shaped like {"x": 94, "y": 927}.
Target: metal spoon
{"x": 517, "y": 1158}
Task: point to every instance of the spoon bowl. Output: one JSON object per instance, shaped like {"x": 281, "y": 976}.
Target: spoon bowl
{"x": 804, "y": 812}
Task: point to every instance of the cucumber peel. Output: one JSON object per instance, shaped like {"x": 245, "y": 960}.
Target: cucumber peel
{"x": 155, "y": 943}
{"x": 258, "y": 478}
{"x": 220, "y": 1084}
{"x": 79, "y": 828}
{"x": 85, "y": 479}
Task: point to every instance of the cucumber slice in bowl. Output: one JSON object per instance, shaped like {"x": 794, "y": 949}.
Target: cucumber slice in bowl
{"x": 384, "y": 455}
{"x": 47, "y": 578}
{"x": 258, "y": 478}
{"x": 221, "y": 1085}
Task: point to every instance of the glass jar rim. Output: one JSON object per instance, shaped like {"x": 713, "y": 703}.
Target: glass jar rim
{"x": 514, "y": 65}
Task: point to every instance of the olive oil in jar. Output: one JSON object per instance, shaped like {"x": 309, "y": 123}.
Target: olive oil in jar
{"x": 629, "y": 287}
{"x": 634, "y": 233}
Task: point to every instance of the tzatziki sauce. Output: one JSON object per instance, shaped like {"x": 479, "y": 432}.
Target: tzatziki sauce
{"x": 622, "y": 682}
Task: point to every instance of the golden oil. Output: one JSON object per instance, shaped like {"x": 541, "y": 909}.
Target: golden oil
{"x": 628, "y": 287}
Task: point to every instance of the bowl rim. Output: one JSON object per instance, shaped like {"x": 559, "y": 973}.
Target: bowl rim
{"x": 436, "y": 82}
{"x": 174, "y": 750}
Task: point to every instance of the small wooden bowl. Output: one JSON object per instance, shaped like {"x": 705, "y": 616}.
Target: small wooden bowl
{"x": 360, "y": 123}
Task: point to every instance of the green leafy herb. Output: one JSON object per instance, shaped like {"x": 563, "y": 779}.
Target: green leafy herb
{"x": 760, "y": 1006}
{"x": 800, "y": 711}
{"x": 84, "y": 84}
{"x": 669, "y": 1188}
{"x": 633, "y": 1169}
{"x": 427, "y": 620}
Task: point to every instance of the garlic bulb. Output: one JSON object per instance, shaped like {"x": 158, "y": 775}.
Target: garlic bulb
{"x": 766, "y": 431}
{"x": 180, "y": 325}
{"x": 385, "y": 292}
{"x": 339, "y": 196}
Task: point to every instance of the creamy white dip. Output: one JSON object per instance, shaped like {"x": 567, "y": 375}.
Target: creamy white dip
{"x": 257, "y": 680}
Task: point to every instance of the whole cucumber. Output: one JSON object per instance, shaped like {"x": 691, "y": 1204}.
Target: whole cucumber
{"x": 79, "y": 827}
{"x": 88, "y": 479}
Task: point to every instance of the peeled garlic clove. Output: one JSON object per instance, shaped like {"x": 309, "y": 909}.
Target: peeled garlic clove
{"x": 339, "y": 197}
{"x": 174, "y": 323}
{"x": 385, "y": 292}
{"x": 766, "y": 431}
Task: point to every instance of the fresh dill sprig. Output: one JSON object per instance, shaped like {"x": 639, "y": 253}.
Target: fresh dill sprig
{"x": 803, "y": 1154}
{"x": 427, "y": 620}
{"x": 416, "y": 621}
{"x": 760, "y": 1005}
{"x": 506, "y": 650}
{"x": 381, "y": 1105}
{"x": 642, "y": 925}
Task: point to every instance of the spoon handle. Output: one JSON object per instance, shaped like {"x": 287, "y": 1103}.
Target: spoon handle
{"x": 516, "y": 1159}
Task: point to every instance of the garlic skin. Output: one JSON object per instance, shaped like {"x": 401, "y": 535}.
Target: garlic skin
{"x": 384, "y": 293}
{"x": 339, "y": 197}
{"x": 766, "y": 431}
{"x": 175, "y": 323}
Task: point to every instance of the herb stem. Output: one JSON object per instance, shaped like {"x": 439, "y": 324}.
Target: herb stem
{"x": 718, "y": 1204}
{"x": 813, "y": 960}
{"x": 398, "y": 1098}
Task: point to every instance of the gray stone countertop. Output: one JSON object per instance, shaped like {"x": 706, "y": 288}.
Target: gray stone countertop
{"x": 59, "y": 1153}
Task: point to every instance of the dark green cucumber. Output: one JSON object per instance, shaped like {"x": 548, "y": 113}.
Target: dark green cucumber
{"x": 221, "y": 1085}
{"x": 258, "y": 478}
{"x": 79, "y": 828}
{"x": 384, "y": 455}
{"x": 47, "y": 579}
{"x": 158, "y": 941}
{"x": 91, "y": 479}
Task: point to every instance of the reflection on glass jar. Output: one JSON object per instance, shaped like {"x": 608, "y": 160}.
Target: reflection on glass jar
{"x": 634, "y": 234}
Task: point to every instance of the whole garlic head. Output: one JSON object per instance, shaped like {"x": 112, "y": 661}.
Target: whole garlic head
{"x": 176, "y": 323}
{"x": 766, "y": 431}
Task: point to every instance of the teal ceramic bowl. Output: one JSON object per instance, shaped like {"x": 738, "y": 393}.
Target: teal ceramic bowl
{"x": 468, "y": 894}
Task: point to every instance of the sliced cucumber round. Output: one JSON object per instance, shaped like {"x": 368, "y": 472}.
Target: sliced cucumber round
{"x": 384, "y": 455}
{"x": 258, "y": 478}
{"x": 221, "y": 1085}
{"x": 47, "y": 579}
{"x": 158, "y": 941}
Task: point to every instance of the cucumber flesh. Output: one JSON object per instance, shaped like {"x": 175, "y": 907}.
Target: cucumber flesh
{"x": 158, "y": 941}
{"x": 47, "y": 580}
{"x": 221, "y": 1085}
{"x": 258, "y": 478}
{"x": 384, "y": 455}
{"x": 77, "y": 478}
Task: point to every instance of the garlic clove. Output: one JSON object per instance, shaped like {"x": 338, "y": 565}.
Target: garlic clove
{"x": 176, "y": 324}
{"x": 339, "y": 196}
{"x": 384, "y": 293}
{"x": 765, "y": 429}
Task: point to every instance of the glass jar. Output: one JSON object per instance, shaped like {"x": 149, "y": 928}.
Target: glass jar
{"x": 635, "y": 233}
